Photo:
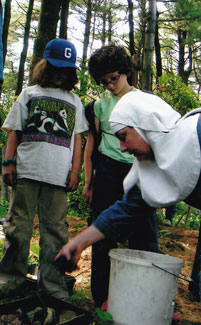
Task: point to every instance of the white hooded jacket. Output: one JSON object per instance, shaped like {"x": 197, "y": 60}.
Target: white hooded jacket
{"x": 174, "y": 172}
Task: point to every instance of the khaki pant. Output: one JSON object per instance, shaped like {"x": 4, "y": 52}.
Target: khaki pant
{"x": 49, "y": 202}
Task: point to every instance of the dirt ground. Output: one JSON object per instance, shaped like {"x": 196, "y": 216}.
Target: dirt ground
{"x": 174, "y": 241}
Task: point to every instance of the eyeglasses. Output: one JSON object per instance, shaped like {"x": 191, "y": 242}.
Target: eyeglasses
{"x": 112, "y": 81}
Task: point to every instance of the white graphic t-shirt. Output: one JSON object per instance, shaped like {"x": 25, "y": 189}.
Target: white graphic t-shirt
{"x": 48, "y": 118}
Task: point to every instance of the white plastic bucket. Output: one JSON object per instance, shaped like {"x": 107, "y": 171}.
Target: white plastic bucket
{"x": 140, "y": 293}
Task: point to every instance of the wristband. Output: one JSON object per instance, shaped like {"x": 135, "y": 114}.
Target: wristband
{"x": 7, "y": 162}
{"x": 72, "y": 171}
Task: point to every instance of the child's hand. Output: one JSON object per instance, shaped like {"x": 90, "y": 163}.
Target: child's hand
{"x": 72, "y": 182}
{"x": 9, "y": 175}
{"x": 87, "y": 194}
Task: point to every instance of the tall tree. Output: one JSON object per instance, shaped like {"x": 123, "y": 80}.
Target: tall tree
{"x": 87, "y": 30}
{"x": 64, "y": 18}
{"x": 183, "y": 72}
{"x": 131, "y": 27}
{"x": 158, "y": 52}
{"x": 85, "y": 45}
{"x": 132, "y": 43}
{"x": 49, "y": 16}
{"x": 7, "y": 16}
{"x": 149, "y": 47}
{"x": 25, "y": 48}
{"x": 181, "y": 47}
{"x": 140, "y": 37}
{"x": 109, "y": 20}
{"x": 104, "y": 21}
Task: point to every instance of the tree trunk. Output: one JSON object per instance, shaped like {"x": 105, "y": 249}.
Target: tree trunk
{"x": 184, "y": 74}
{"x": 83, "y": 83}
{"x": 64, "y": 18}
{"x": 7, "y": 15}
{"x": 158, "y": 53}
{"x": 104, "y": 17}
{"x": 109, "y": 19}
{"x": 49, "y": 16}
{"x": 149, "y": 46}
{"x": 87, "y": 32}
{"x": 132, "y": 44}
{"x": 93, "y": 31}
{"x": 23, "y": 55}
{"x": 142, "y": 24}
{"x": 131, "y": 28}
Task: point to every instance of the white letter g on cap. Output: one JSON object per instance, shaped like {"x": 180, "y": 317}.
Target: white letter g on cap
{"x": 67, "y": 52}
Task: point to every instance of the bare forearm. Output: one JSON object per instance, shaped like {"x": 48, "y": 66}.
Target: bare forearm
{"x": 88, "y": 237}
{"x": 87, "y": 159}
{"x": 77, "y": 153}
{"x": 12, "y": 144}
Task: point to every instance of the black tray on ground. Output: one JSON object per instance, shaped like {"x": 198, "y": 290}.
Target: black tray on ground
{"x": 29, "y": 303}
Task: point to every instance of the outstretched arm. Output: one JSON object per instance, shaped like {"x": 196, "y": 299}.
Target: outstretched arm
{"x": 72, "y": 250}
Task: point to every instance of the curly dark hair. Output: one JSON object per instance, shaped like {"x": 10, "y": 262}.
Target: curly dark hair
{"x": 43, "y": 72}
{"x": 107, "y": 59}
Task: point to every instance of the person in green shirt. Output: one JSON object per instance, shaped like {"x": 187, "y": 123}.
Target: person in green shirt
{"x": 111, "y": 67}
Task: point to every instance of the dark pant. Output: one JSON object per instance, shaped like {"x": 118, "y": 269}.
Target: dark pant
{"x": 170, "y": 211}
{"x": 195, "y": 286}
{"x": 108, "y": 188}
{"x": 195, "y": 200}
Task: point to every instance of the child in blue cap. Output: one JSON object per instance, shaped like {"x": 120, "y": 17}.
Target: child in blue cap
{"x": 42, "y": 162}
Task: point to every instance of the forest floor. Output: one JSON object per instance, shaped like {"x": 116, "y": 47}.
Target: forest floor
{"x": 175, "y": 241}
{"x": 179, "y": 242}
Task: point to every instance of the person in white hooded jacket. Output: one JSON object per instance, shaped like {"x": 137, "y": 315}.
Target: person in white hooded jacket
{"x": 166, "y": 169}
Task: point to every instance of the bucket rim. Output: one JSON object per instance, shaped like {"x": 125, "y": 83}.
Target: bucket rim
{"x": 171, "y": 263}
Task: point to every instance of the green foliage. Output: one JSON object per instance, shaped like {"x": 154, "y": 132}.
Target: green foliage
{"x": 10, "y": 82}
{"x": 7, "y": 100}
{"x": 102, "y": 317}
{"x": 34, "y": 253}
{"x": 75, "y": 203}
{"x": 1, "y": 246}
{"x": 88, "y": 90}
{"x": 3, "y": 208}
{"x": 77, "y": 227}
{"x": 190, "y": 220}
{"x": 80, "y": 296}
{"x": 190, "y": 11}
{"x": 175, "y": 92}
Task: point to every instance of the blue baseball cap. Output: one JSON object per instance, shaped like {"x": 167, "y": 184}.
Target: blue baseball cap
{"x": 60, "y": 53}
